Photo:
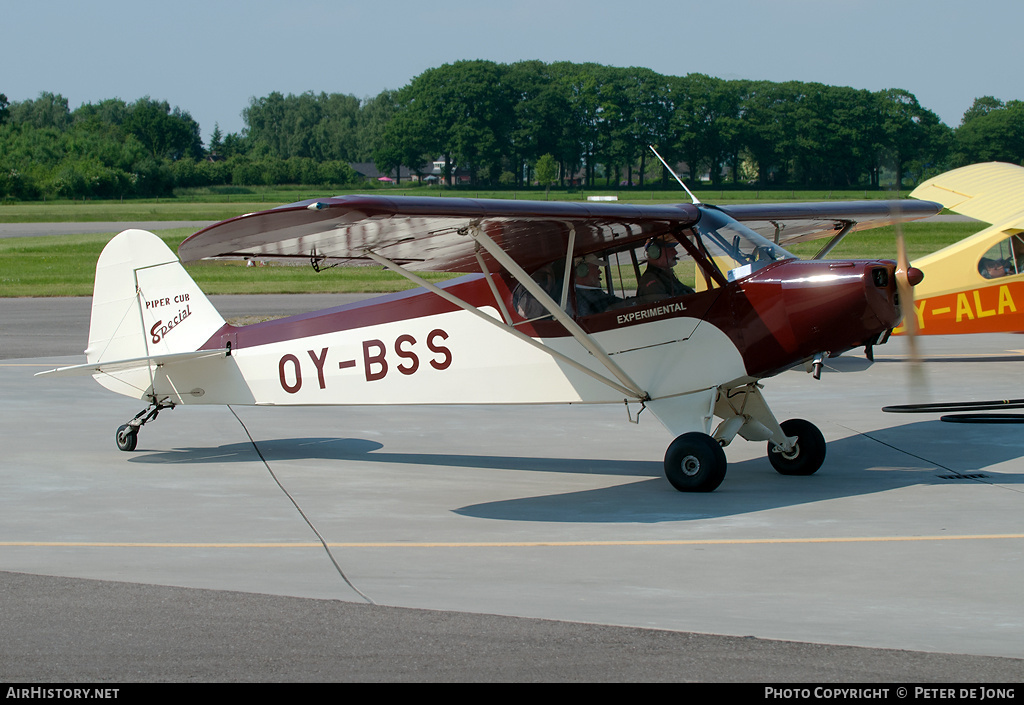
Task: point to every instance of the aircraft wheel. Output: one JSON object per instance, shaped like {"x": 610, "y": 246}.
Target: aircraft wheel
{"x": 127, "y": 437}
{"x": 695, "y": 462}
{"x": 808, "y": 454}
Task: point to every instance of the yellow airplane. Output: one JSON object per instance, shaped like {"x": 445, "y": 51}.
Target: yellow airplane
{"x": 977, "y": 284}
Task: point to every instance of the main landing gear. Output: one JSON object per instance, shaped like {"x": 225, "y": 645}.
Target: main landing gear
{"x": 127, "y": 435}
{"x": 695, "y": 462}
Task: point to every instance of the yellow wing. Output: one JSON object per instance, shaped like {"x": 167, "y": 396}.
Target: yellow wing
{"x": 992, "y": 192}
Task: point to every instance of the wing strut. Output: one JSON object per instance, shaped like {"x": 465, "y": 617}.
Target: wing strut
{"x": 581, "y": 336}
{"x": 494, "y": 289}
{"x": 633, "y": 392}
{"x": 836, "y": 239}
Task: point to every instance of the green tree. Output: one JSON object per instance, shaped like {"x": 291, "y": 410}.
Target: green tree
{"x": 48, "y": 110}
{"x": 584, "y": 143}
{"x": 372, "y": 121}
{"x": 540, "y": 116}
{"x": 457, "y": 111}
{"x": 650, "y": 104}
{"x": 336, "y": 136}
{"x": 707, "y": 124}
{"x": 547, "y": 172}
{"x": 767, "y": 127}
{"x": 908, "y": 132}
{"x": 112, "y": 111}
{"x": 216, "y": 142}
{"x": 167, "y": 134}
{"x": 981, "y": 106}
{"x": 994, "y": 135}
{"x": 408, "y": 138}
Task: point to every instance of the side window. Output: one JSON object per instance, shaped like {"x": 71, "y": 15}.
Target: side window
{"x": 594, "y": 286}
{"x": 668, "y": 272}
{"x": 549, "y": 277}
{"x": 637, "y": 275}
{"x": 1003, "y": 259}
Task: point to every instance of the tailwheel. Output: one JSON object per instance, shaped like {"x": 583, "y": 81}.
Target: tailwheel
{"x": 694, "y": 462}
{"x": 808, "y": 452}
{"x": 127, "y": 437}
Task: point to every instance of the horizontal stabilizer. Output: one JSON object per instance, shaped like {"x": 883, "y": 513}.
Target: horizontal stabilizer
{"x": 136, "y": 363}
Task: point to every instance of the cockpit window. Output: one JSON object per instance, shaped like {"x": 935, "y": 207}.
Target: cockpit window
{"x": 735, "y": 248}
{"x": 640, "y": 273}
{"x": 549, "y": 278}
{"x": 1003, "y": 259}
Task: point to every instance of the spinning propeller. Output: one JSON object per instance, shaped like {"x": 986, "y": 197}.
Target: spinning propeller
{"x": 907, "y": 278}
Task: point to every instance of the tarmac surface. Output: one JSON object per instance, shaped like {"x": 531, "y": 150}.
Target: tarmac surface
{"x": 450, "y": 543}
{"x": 503, "y": 543}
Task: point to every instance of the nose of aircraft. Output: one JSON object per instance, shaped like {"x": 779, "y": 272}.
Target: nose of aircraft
{"x": 796, "y": 309}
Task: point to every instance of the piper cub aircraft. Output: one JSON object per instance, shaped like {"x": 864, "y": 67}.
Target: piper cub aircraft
{"x": 975, "y": 285}
{"x": 556, "y": 307}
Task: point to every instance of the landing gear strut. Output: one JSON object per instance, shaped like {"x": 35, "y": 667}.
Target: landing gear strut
{"x": 127, "y": 435}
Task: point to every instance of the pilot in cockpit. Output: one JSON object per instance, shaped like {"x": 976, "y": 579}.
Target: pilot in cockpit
{"x": 993, "y": 268}
{"x": 659, "y": 281}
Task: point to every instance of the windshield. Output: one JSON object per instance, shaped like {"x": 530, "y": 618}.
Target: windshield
{"x": 735, "y": 248}
{"x": 641, "y": 273}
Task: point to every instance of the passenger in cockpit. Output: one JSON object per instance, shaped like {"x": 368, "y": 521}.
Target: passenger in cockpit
{"x": 523, "y": 301}
{"x": 590, "y": 296}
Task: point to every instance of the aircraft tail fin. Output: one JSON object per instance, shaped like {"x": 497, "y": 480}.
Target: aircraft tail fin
{"x": 145, "y": 304}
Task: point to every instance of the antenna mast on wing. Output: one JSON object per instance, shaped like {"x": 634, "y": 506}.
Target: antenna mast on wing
{"x": 693, "y": 199}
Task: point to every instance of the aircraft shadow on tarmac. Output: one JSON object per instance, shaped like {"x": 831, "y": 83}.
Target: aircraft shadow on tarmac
{"x": 856, "y": 465}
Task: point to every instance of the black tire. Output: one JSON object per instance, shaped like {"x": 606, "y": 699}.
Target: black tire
{"x": 127, "y": 437}
{"x": 695, "y": 462}
{"x": 808, "y": 454}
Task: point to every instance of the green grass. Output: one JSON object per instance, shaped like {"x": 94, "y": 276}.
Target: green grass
{"x": 129, "y": 211}
{"x": 880, "y": 243}
{"x": 64, "y": 265}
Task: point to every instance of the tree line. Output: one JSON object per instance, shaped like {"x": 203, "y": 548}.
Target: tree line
{"x": 493, "y": 123}
{"x": 115, "y": 149}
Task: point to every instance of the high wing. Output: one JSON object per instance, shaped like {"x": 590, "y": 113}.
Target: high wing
{"x": 789, "y": 223}
{"x": 992, "y": 192}
{"x": 431, "y": 234}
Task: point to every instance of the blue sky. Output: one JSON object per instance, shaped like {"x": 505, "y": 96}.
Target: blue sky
{"x": 211, "y": 57}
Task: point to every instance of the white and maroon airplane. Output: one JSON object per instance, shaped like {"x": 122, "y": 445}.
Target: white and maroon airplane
{"x": 527, "y": 324}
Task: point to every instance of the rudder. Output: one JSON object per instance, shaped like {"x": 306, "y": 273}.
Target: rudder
{"x": 145, "y": 303}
